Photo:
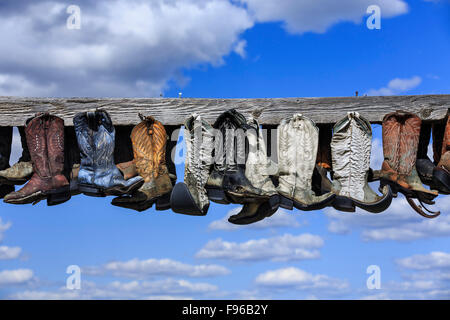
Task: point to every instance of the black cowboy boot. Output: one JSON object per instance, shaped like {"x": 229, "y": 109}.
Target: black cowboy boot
{"x": 227, "y": 182}
{"x": 258, "y": 169}
{"x": 5, "y": 153}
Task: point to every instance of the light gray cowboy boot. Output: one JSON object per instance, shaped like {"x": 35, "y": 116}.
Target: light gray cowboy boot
{"x": 298, "y": 139}
{"x": 190, "y": 197}
{"x": 350, "y": 149}
{"x": 258, "y": 169}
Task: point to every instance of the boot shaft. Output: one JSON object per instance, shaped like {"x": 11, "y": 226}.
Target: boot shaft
{"x": 54, "y": 127}
{"x": 351, "y": 148}
{"x": 149, "y": 139}
{"x": 35, "y": 132}
{"x": 298, "y": 144}
{"x": 401, "y": 131}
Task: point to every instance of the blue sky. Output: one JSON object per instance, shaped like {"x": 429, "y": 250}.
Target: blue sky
{"x": 217, "y": 48}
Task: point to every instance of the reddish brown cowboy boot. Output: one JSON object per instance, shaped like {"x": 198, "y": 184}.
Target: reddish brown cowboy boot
{"x": 401, "y": 131}
{"x": 45, "y": 140}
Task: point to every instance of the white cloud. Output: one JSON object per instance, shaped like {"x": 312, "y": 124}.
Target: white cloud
{"x": 136, "y": 268}
{"x": 399, "y": 223}
{"x": 425, "y": 276}
{"x": 433, "y": 260}
{"x": 282, "y": 248}
{"x": 296, "y": 279}
{"x": 8, "y": 253}
{"x": 3, "y": 227}
{"x": 122, "y": 49}
{"x": 397, "y": 86}
{"x": 15, "y": 277}
{"x": 299, "y": 16}
{"x": 279, "y": 219}
{"x": 161, "y": 289}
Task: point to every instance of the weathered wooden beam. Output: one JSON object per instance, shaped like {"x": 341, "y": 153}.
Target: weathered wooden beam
{"x": 14, "y": 111}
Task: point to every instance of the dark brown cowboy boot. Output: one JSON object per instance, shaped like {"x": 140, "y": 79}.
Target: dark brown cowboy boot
{"x": 441, "y": 150}
{"x": 401, "y": 132}
{"x": 149, "y": 140}
{"x": 45, "y": 140}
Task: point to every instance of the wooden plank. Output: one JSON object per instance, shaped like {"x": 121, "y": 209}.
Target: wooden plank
{"x": 14, "y": 111}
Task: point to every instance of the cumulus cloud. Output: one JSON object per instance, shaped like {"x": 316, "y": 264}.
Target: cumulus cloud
{"x": 292, "y": 278}
{"x": 397, "y": 86}
{"x": 3, "y": 227}
{"x": 433, "y": 260}
{"x": 399, "y": 223}
{"x": 425, "y": 276}
{"x": 279, "y": 219}
{"x": 124, "y": 48}
{"x": 15, "y": 277}
{"x": 282, "y": 248}
{"x": 299, "y": 16}
{"x": 136, "y": 268}
{"x": 160, "y": 289}
{"x": 8, "y": 253}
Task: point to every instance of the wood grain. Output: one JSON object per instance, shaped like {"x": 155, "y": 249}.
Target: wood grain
{"x": 171, "y": 111}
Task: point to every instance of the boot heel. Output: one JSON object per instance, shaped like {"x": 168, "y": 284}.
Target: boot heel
{"x": 217, "y": 195}
{"x": 58, "y": 196}
{"x": 90, "y": 191}
{"x": 163, "y": 202}
{"x": 286, "y": 203}
{"x": 181, "y": 201}
{"x": 343, "y": 204}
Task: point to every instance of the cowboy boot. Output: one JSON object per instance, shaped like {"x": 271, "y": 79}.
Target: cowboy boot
{"x": 351, "y": 147}
{"x": 401, "y": 132}
{"x": 257, "y": 170}
{"x": 5, "y": 153}
{"x": 228, "y": 183}
{"x": 190, "y": 197}
{"x": 297, "y": 151}
{"x": 45, "y": 140}
{"x": 441, "y": 173}
{"x": 21, "y": 171}
{"x": 98, "y": 175}
{"x": 149, "y": 141}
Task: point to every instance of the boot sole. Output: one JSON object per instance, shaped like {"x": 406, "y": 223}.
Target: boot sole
{"x": 90, "y": 190}
{"x": 181, "y": 201}
{"x": 119, "y": 191}
{"x": 217, "y": 195}
{"x": 32, "y": 198}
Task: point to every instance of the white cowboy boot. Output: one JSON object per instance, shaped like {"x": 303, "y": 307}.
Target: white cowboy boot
{"x": 350, "y": 149}
{"x": 298, "y": 139}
